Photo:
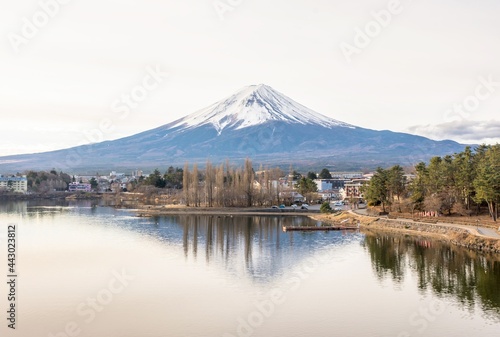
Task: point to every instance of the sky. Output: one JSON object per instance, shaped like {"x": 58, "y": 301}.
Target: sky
{"x": 74, "y": 72}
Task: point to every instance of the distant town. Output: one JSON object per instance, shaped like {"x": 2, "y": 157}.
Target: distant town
{"x": 461, "y": 184}
{"x": 327, "y": 185}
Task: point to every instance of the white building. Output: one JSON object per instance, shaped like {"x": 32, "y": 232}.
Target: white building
{"x": 333, "y": 184}
{"x": 13, "y": 183}
{"x": 77, "y": 187}
{"x": 347, "y": 175}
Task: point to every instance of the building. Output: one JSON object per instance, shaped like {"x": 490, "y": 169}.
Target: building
{"x": 347, "y": 175}
{"x": 352, "y": 189}
{"x": 329, "y": 184}
{"x": 329, "y": 195}
{"x": 77, "y": 187}
{"x": 14, "y": 183}
{"x": 292, "y": 197}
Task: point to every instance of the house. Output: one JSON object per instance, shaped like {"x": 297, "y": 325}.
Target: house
{"x": 17, "y": 184}
{"x": 330, "y": 184}
{"x": 79, "y": 187}
{"x": 292, "y": 197}
{"x": 352, "y": 189}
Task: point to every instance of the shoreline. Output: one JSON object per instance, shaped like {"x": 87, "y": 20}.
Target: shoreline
{"x": 466, "y": 236}
{"x": 453, "y": 234}
{"x": 459, "y": 235}
{"x": 150, "y": 211}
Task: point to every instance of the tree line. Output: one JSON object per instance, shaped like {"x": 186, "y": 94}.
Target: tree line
{"x": 227, "y": 186}
{"x": 42, "y": 181}
{"x": 458, "y": 183}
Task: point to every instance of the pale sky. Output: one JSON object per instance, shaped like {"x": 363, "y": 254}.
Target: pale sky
{"x": 425, "y": 67}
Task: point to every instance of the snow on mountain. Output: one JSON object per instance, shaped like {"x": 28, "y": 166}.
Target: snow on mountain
{"x": 251, "y": 106}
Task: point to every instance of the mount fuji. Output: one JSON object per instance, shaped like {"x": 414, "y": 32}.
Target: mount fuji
{"x": 256, "y": 122}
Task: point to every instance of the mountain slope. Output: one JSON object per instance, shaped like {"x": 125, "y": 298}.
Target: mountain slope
{"x": 256, "y": 122}
{"x": 251, "y": 106}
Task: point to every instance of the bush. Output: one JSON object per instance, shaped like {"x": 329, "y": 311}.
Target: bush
{"x": 325, "y": 207}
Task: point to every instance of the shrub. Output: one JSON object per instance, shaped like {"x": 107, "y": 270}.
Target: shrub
{"x": 325, "y": 207}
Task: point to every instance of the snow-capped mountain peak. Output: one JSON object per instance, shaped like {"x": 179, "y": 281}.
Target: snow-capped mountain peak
{"x": 254, "y": 105}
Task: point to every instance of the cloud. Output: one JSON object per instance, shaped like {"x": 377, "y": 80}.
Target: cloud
{"x": 464, "y": 131}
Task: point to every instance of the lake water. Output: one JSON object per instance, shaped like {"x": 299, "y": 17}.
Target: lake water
{"x": 85, "y": 270}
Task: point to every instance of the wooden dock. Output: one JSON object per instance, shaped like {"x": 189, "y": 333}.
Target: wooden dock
{"x": 318, "y": 228}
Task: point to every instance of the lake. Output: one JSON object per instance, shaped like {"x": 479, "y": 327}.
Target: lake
{"x": 87, "y": 270}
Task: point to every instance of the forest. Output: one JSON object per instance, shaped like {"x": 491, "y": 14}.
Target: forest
{"x": 454, "y": 184}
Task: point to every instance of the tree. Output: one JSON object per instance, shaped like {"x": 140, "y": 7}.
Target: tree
{"x": 195, "y": 185}
{"x": 466, "y": 172}
{"x": 312, "y": 175}
{"x": 487, "y": 182}
{"x": 417, "y": 187}
{"x": 325, "y": 207}
{"x": 306, "y": 185}
{"x": 173, "y": 177}
{"x": 93, "y": 183}
{"x": 65, "y": 177}
{"x": 185, "y": 183}
{"x": 325, "y": 174}
{"x": 441, "y": 184}
{"x": 155, "y": 179}
{"x": 209, "y": 183}
{"x": 396, "y": 185}
{"x": 376, "y": 191}
{"x": 219, "y": 185}
{"x": 396, "y": 182}
{"x": 248, "y": 178}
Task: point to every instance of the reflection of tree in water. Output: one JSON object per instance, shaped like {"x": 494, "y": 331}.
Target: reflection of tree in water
{"x": 390, "y": 259}
{"x": 254, "y": 246}
{"x": 447, "y": 270}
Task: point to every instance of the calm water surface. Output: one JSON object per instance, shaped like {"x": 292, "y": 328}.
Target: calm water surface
{"x": 86, "y": 270}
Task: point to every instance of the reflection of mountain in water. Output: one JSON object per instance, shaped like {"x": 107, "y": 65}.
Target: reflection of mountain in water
{"x": 470, "y": 277}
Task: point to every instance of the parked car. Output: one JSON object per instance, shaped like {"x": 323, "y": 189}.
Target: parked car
{"x": 304, "y": 206}
{"x": 274, "y": 206}
{"x": 294, "y": 206}
{"x": 338, "y": 203}
{"x": 282, "y": 206}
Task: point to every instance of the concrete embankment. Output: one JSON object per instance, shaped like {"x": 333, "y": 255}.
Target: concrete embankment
{"x": 456, "y": 235}
{"x": 464, "y": 236}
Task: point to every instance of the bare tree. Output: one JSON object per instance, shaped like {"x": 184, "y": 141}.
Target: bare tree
{"x": 185, "y": 183}
{"x": 209, "y": 183}
{"x": 195, "y": 183}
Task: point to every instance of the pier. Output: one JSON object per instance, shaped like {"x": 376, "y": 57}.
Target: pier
{"x": 318, "y": 228}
